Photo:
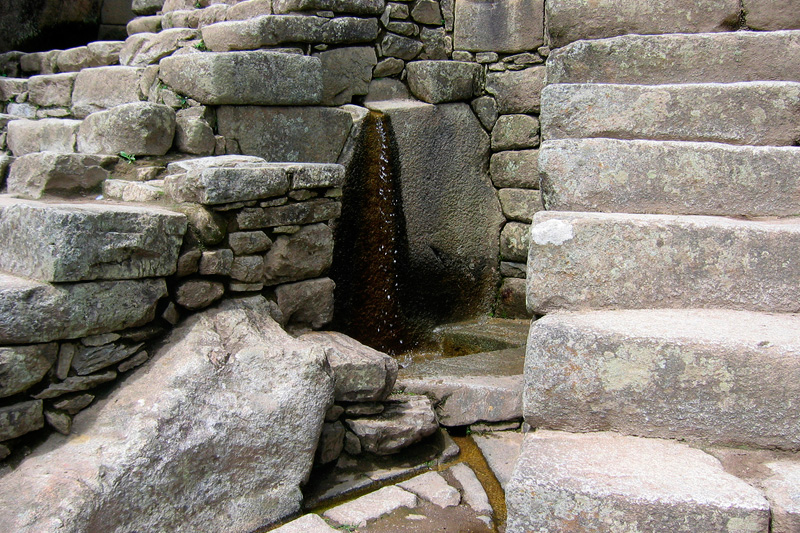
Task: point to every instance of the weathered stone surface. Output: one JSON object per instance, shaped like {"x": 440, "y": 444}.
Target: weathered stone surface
{"x": 248, "y": 268}
{"x": 360, "y": 373}
{"x": 658, "y": 59}
{"x": 37, "y": 312}
{"x": 222, "y": 185}
{"x": 371, "y": 506}
{"x": 212, "y": 398}
{"x": 146, "y": 7}
{"x": 80, "y": 242}
{"x": 512, "y": 26}
{"x": 485, "y": 108}
{"x": 216, "y": 262}
{"x": 601, "y": 260}
{"x": 356, "y": 7}
{"x": 474, "y": 493}
{"x": 346, "y": 72}
{"x": 270, "y": 30}
{"x": 685, "y": 374}
{"x": 517, "y": 91}
{"x": 779, "y": 488}
{"x": 388, "y": 67}
{"x": 427, "y": 12}
{"x": 484, "y": 386}
{"x": 74, "y": 404}
{"x": 97, "y": 89}
{"x": 309, "y": 212}
{"x": 571, "y": 20}
{"x": 249, "y": 242}
{"x": 76, "y": 384}
{"x": 306, "y": 303}
{"x": 501, "y": 450}
{"x": 515, "y": 132}
{"x": 49, "y": 134}
{"x": 394, "y": 45}
{"x": 209, "y": 227}
{"x": 511, "y": 299}
{"x": 93, "y": 358}
{"x": 603, "y": 480}
{"x": 133, "y": 191}
{"x": 520, "y": 204}
{"x": 518, "y": 169}
{"x": 404, "y": 421}
{"x": 287, "y": 133}
{"x": 144, "y": 49}
{"x": 437, "y": 82}
{"x": 151, "y": 24}
{"x": 771, "y": 14}
{"x": 194, "y": 136}
{"x": 515, "y": 241}
{"x": 331, "y": 443}
{"x": 310, "y": 523}
{"x": 302, "y": 255}
{"x": 198, "y": 294}
{"x": 61, "y": 422}
{"x": 35, "y": 174}
{"x": 432, "y": 486}
{"x": 221, "y": 161}
{"x": 51, "y": 90}
{"x": 654, "y": 177}
{"x": 436, "y": 44}
{"x": 139, "y": 128}
{"x": 314, "y": 175}
{"x": 245, "y": 78}
{"x": 249, "y": 9}
{"x": 753, "y": 113}
{"x": 23, "y": 366}
{"x": 20, "y": 418}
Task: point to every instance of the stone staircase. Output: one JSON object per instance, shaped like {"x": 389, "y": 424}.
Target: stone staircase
{"x": 666, "y": 268}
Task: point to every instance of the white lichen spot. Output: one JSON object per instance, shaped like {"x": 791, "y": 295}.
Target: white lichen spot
{"x": 552, "y": 232}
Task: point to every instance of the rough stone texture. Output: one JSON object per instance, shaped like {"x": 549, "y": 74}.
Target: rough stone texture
{"x": 484, "y": 386}
{"x": 606, "y": 481}
{"x": 658, "y": 59}
{"x": 230, "y": 394}
{"x": 427, "y": 12}
{"x": 314, "y": 175}
{"x": 37, "y": 312}
{"x": 388, "y": 67}
{"x": 286, "y": 133}
{"x": 452, "y": 234}
{"x": 216, "y": 262}
{"x": 306, "y": 303}
{"x": 485, "y": 108}
{"x": 140, "y": 128}
{"x": 331, "y": 443}
{"x": 404, "y": 421}
{"x": 473, "y": 492}
{"x": 771, "y": 14}
{"x": 511, "y": 299}
{"x": 437, "y": 82}
{"x": 356, "y": 7}
{"x": 371, "y": 506}
{"x": 35, "y": 174}
{"x": 515, "y": 242}
{"x": 669, "y": 177}
{"x": 753, "y": 113}
{"x": 222, "y": 185}
{"x": 249, "y": 9}
{"x": 132, "y": 191}
{"x": 249, "y": 242}
{"x": 23, "y": 366}
{"x": 151, "y": 24}
{"x": 245, "y": 78}
{"x": 49, "y": 134}
{"x": 515, "y": 132}
{"x": 518, "y": 169}
{"x": 360, "y": 373}
{"x": 208, "y": 226}
{"x": 19, "y": 419}
{"x": 517, "y": 91}
{"x": 308, "y": 212}
{"x": 501, "y": 450}
{"x": 74, "y": 404}
{"x": 144, "y": 49}
{"x": 93, "y": 358}
{"x": 305, "y": 254}
{"x": 248, "y": 268}
{"x": 687, "y": 374}
{"x": 346, "y": 72}
{"x": 780, "y": 490}
{"x": 146, "y": 7}
{"x": 194, "y": 136}
{"x": 511, "y": 26}
{"x": 76, "y": 384}
{"x": 270, "y": 30}
{"x": 599, "y": 260}
{"x": 310, "y": 523}
{"x": 520, "y": 204}
{"x": 432, "y": 486}
{"x": 102, "y": 88}
{"x": 51, "y": 90}
{"x": 394, "y": 45}
{"x": 571, "y": 20}
{"x": 81, "y": 242}
{"x": 198, "y": 294}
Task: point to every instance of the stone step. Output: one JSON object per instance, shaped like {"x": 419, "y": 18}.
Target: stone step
{"x": 670, "y": 177}
{"x": 679, "y": 58}
{"x": 753, "y": 113}
{"x": 34, "y": 175}
{"x": 82, "y": 242}
{"x": 622, "y": 261}
{"x": 708, "y": 376}
{"x": 608, "y": 482}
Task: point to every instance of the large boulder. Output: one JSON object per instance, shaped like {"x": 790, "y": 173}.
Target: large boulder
{"x": 140, "y": 128}
{"x": 217, "y": 433}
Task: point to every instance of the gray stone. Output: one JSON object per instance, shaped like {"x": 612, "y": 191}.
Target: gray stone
{"x": 12, "y": 88}
{"x": 431, "y": 486}
{"x": 31, "y": 311}
{"x": 223, "y": 185}
{"x": 409, "y": 29}
{"x": 75, "y": 59}
{"x": 133, "y": 191}
{"x": 511, "y": 299}
{"x": 151, "y": 24}
{"x": 20, "y": 418}
{"x": 93, "y": 358}
{"x": 315, "y": 210}
{"x": 436, "y": 44}
{"x": 484, "y": 386}
{"x": 485, "y": 108}
{"x": 97, "y": 89}
{"x": 40, "y": 62}
{"x": 74, "y": 404}
{"x": 144, "y": 49}
{"x": 517, "y": 91}
{"x": 249, "y": 242}
{"x": 783, "y": 498}
{"x": 80, "y": 242}
{"x": 198, "y": 294}
{"x": 207, "y": 226}
{"x": 345, "y": 72}
{"x": 519, "y": 169}
{"x": 99, "y": 340}
{"x": 222, "y": 161}
{"x": 24, "y": 110}
{"x": 387, "y": 89}
{"x": 363, "y": 409}
{"x": 437, "y": 82}
{"x": 513, "y": 270}
{"x": 405, "y": 421}
{"x": 652, "y": 177}
{"x": 49, "y": 134}
{"x": 248, "y": 268}
{"x": 65, "y": 354}
{"x": 315, "y": 175}
{"x": 270, "y": 30}
{"x": 427, "y": 12}
{"x": 245, "y": 78}
{"x": 194, "y": 136}
{"x": 730, "y": 113}
{"x": 310, "y": 523}
{"x": 520, "y": 204}
{"x": 511, "y": 26}
{"x": 771, "y": 14}
{"x": 603, "y": 480}
{"x": 474, "y": 494}
{"x": 515, "y": 241}
{"x": 51, "y": 90}
{"x": 331, "y": 443}
{"x": 61, "y": 422}
{"x": 305, "y": 254}
{"x": 76, "y": 384}
{"x": 514, "y": 132}
{"x": 33, "y": 175}
{"x": 658, "y": 59}
{"x": 371, "y": 506}
{"x": 360, "y": 373}
{"x": 640, "y": 261}
{"x": 388, "y": 67}
{"x": 287, "y": 133}
{"x": 106, "y": 52}
{"x": 571, "y": 20}
{"x": 140, "y": 128}
{"x": 146, "y": 7}
{"x": 356, "y": 7}
{"x": 249, "y": 9}
{"x": 394, "y": 45}
{"x": 211, "y": 399}
{"x": 501, "y": 450}
{"x": 216, "y": 262}
{"x": 23, "y": 366}
{"x": 307, "y": 303}
{"x": 352, "y": 445}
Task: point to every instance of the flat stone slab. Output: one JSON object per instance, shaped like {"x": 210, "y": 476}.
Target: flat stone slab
{"x": 511, "y": 26}
{"x": 605, "y": 481}
{"x": 771, "y": 14}
{"x": 481, "y": 335}
{"x": 245, "y": 78}
{"x": 501, "y": 450}
{"x": 709, "y": 376}
{"x": 619, "y": 261}
{"x": 681, "y": 58}
{"x": 358, "y": 7}
{"x": 310, "y": 523}
{"x": 670, "y": 177}
{"x": 404, "y": 421}
{"x": 32, "y": 311}
{"x": 371, "y": 506}
{"x": 752, "y": 113}
{"x": 431, "y": 486}
{"x": 571, "y": 20}
{"x": 48, "y": 134}
{"x": 140, "y": 128}
{"x": 478, "y": 387}
{"x": 83, "y": 242}
{"x": 33, "y": 175}
{"x": 437, "y": 82}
